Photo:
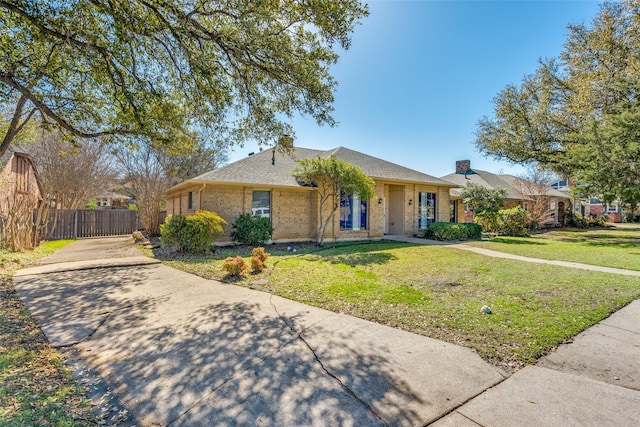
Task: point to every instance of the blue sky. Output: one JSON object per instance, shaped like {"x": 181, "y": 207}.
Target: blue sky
{"x": 420, "y": 74}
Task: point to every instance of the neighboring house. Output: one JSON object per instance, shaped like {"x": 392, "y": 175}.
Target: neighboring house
{"x": 591, "y": 206}
{"x": 404, "y": 201}
{"x": 520, "y": 192}
{"x": 111, "y": 200}
{"x": 18, "y": 180}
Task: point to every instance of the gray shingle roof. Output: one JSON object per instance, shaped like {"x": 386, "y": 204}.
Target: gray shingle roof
{"x": 491, "y": 180}
{"x": 259, "y": 170}
{"x": 4, "y": 159}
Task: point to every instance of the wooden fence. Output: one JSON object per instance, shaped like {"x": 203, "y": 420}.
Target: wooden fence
{"x": 73, "y": 224}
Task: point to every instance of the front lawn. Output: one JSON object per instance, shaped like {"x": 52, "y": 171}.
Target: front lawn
{"x": 438, "y": 292}
{"x": 619, "y": 248}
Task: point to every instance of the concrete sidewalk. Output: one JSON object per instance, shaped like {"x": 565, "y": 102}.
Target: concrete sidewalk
{"x": 179, "y": 350}
{"x": 592, "y": 381}
{"x": 496, "y": 254}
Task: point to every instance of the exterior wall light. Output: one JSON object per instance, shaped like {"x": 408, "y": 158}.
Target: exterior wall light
{"x": 380, "y": 201}
{"x": 410, "y": 202}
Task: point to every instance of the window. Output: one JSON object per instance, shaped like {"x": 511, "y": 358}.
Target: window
{"x": 426, "y": 209}
{"x": 453, "y": 211}
{"x": 353, "y": 213}
{"x": 190, "y": 201}
{"x": 261, "y": 204}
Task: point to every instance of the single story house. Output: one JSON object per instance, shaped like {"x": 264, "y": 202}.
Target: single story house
{"x": 520, "y": 192}
{"x": 593, "y": 206}
{"x": 112, "y": 200}
{"x": 405, "y": 201}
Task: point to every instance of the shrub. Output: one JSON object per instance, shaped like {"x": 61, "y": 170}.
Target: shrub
{"x": 598, "y": 221}
{"x": 448, "y": 231}
{"x": 235, "y": 266}
{"x": 632, "y": 217}
{"x": 578, "y": 221}
{"x": 513, "y": 222}
{"x": 257, "y": 265}
{"x": 260, "y": 253}
{"x": 192, "y": 234}
{"x": 252, "y": 230}
{"x": 474, "y": 230}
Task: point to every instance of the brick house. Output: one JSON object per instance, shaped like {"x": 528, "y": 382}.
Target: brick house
{"x": 18, "y": 179}
{"x": 404, "y": 202}
{"x": 520, "y": 192}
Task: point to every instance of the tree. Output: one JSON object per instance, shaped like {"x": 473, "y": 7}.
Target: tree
{"x": 484, "y": 202}
{"x": 149, "y": 175}
{"x": 333, "y": 178}
{"x": 157, "y": 70}
{"x": 72, "y": 172}
{"x": 198, "y": 159}
{"x": 534, "y": 186}
{"x": 579, "y": 114}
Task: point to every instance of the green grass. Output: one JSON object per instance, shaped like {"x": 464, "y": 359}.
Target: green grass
{"x": 438, "y": 292}
{"x": 11, "y": 261}
{"x": 35, "y": 386}
{"x": 610, "y": 248}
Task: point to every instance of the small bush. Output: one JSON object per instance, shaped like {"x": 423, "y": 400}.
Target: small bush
{"x": 578, "y": 221}
{"x": 192, "y": 234}
{"x": 252, "y": 230}
{"x": 632, "y": 217}
{"x": 513, "y": 222}
{"x": 474, "y": 230}
{"x": 597, "y": 221}
{"x": 448, "y": 231}
{"x": 259, "y": 253}
{"x": 257, "y": 265}
{"x": 235, "y": 266}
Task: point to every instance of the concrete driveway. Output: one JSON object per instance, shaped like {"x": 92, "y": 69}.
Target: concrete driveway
{"x": 175, "y": 349}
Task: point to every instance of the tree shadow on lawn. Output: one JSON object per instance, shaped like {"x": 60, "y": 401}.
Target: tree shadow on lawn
{"x": 514, "y": 241}
{"x": 601, "y": 240}
{"x": 360, "y": 253}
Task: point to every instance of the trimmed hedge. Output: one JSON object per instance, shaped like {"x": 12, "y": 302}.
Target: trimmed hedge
{"x": 252, "y": 230}
{"x": 192, "y": 234}
{"x": 448, "y": 231}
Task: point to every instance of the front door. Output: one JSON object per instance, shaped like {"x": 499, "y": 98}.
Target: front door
{"x": 453, "y": 211}
{"x": 395, "y": 210}
{"x": 561, "y": 214}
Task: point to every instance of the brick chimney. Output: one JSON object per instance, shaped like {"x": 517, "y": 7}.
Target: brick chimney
{"x": 463, "y": 166}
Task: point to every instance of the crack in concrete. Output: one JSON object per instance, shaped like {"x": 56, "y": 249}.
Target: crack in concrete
{"x": 108, "y": 315}
{"x": 88, "y": 337}
{"x": 455, "y": 409}
{"x": 324, "y": 368}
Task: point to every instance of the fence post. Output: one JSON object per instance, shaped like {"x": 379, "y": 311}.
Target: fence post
{"x": 75, "y": 224}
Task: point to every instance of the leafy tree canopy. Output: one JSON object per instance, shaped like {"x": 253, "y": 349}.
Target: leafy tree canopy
{"x": 332, "y": 178}
{"x": 484, "y": 202}
{"x": 579, "y": 114}
{"x": 162, "y": 70}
